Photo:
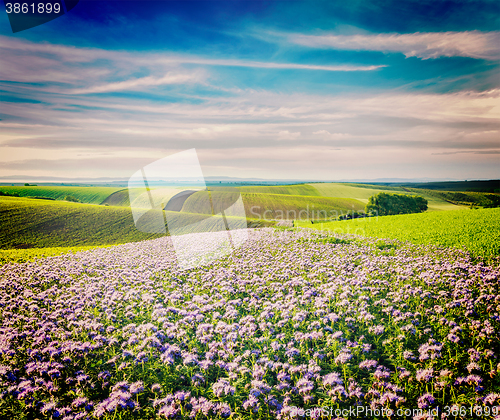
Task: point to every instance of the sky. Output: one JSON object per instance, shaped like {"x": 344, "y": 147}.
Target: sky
{"x": 323, "y": 90}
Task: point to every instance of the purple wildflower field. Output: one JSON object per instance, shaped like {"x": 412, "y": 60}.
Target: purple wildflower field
{"x": 291, "y": 319}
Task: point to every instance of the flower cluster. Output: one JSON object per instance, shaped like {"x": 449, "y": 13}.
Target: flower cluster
{"x": 291, "y": 319}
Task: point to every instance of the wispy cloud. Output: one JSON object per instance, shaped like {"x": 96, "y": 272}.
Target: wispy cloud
{"x": 473, "y": 152}
{"x": 325, "y": 134}
{"x": 92, "y": 70}
{"x": 265, "y": 65}
{"x": 183, "y": 101}
{"x": 287, "y": 135}
{"x": 425, "y": 45}
{"x": 143, "y": 82}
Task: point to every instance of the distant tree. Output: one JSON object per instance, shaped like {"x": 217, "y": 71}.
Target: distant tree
{"x": 385, "y": 204}
{"x": 26, "y": 184}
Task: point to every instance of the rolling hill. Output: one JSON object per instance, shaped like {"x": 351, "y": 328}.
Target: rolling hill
{"x": 30, "y": 223}
{"x": 278, "y": 206}
{"x": 89, "y": 195}
{"x": 477, "y": 231}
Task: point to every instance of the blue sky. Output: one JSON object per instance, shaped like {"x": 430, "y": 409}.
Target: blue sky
{"x": 276, "y": 89}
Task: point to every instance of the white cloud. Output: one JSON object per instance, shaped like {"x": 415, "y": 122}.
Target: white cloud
{"x": 131, "y": 84}
{"x": 250, "y": 130}
{"x": 332, "y": 136}
{"x": 266, "y": 65}
{"x": 94, "y": 70}
{"x": 287, "y": 135}
{"x": 424, "y": 45}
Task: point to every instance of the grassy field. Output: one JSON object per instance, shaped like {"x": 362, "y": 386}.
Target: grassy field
{"x": 24, "y": 255}
{"x": 90, "y": 195}
{"x": 280, "y": 206}
{"x": 118, "y": 198}
{"x": 112, "y": 196}
{"x": 364, "y": 192}
{"x": 464, "y": 198}
{"x": 301, "y": 189}
{"x": 29, "y": 223}
{"x": 255, "y": 195}
{"x": 35, "y": 223}
{"x": 349, "y": 191}
{"x": 477, "y": 231}
{"x": 121, "y": 198}
{"x": 489, "y": 186}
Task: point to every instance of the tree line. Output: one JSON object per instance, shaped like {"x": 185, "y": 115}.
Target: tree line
{"x": 386, "y": 204}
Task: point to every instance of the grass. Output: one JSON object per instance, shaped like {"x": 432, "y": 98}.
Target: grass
{"x": 28, "y": 223}
{"x": 477, "y": 231}
{"x": 121, "y": 198}
{"x": 25, "y": 255}
{"x": 142, "y": 199}
{"x": 300, "y": 189}
{"x": 465, "y": 198}
{"x": 259, "y": 196}
{"x": 363, "y": 192}
{"x": 479, "y": 186}
{"x": 118, "y": 198}
{"x": 279, "y": 206}
{"x": 90, "y": 195}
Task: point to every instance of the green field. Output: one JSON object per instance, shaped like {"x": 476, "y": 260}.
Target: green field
{"x": 266, "y": 197}
{"x": 300, "y": 189}
{"x": 464, "y": 198}
{"x": 364, "y": 192}
{"x": 90, "y": 195}
{"x": 121, "y": 198}
{"x": 279, "y": 206}
{"x": 118, "y": 198}
{"x": 489, "y": 186}
{"x": 112, "y": 196}
{"x": 477, "y": 231}
{"x": 350, "y": 191}
{"x": 29, "y": 223}
{"x": 24, "y": 255}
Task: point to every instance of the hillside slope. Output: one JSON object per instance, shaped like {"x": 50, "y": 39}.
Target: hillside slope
{"x": 279, "y": 206}
{"x": 89, "y": 195}
{"x": 29, "y": 223}
{"x": 478, "y": 231}
{"x": 364, "y": 192}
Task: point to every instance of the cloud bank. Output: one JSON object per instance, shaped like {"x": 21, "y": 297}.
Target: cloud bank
{"x": 90, "y": 112}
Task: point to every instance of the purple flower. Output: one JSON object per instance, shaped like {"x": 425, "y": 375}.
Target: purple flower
{"x": 368, "y": 364}
{"x": 343, "y": 357}
{"x": 424, "y": 375}
{"x": 156, "y": 388}
{"x": 79, "y": 402}
{"x": 223, "y": 387}
{"x": 425, "y": 401}
{"x": 332, "y": 379}
{"x": 136, "y": 387}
